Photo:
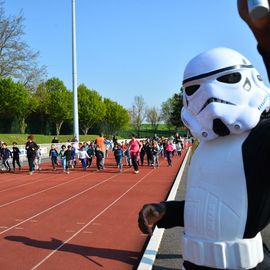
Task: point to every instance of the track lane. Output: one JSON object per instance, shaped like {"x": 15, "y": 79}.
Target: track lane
{"x": 68, "y": 218}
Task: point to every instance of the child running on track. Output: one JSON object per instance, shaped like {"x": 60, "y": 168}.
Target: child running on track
{"x": 168, "y": 152}
{"x": 38, "y": 159}
{"x": 118, "y": 154}
{"x": 62, "y": 157}
{"x": 99, "y": 157}
{"x": 91, "y": 154}
{"x": 135, "y": 147}
{"x": 68, "y": 155}
{"x": 5, "y": 154}
{"x": 16, "y": 156}
{"x": 82, "y": 155}
{"x": 53, "y": 154}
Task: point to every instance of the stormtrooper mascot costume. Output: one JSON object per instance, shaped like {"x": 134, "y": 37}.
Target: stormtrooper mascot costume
{"x": 227, "y": 200}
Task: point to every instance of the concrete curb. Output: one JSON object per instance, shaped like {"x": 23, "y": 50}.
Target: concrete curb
{"x": 150, "y": 253}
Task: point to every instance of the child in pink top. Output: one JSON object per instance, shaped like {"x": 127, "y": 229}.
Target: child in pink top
{"x": 134, "y": 148}
{"x": 168, "y": 152}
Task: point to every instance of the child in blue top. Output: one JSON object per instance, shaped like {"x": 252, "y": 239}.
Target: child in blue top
{"x": 53, "y": 154}
{"x": 118, "y": 154}
{"x": 62, "y": 157}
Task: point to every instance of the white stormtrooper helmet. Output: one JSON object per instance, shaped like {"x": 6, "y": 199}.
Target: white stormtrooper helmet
{"x": 223, "y": 94}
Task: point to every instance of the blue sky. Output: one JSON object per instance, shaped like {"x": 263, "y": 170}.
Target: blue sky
{"x": 128, "y": 48}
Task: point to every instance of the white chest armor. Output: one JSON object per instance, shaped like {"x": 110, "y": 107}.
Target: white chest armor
{"x": 216, "y": 207}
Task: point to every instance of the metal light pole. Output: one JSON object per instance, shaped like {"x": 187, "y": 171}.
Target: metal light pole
{"x": 74, "y": 74}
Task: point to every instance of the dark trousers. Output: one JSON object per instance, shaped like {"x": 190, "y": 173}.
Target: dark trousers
{"x": 89, "y": 161}
{"x": 169, "y": 158}
{"x": 31, "y": 163}
{"x": 16, "y": 160}
{"x": 6, "y": 164}
{"x": 54, "y": 161}
{"x": 134, "y": 160}
{"x": 142, "y": 154}
{"x": 99, "y": 163}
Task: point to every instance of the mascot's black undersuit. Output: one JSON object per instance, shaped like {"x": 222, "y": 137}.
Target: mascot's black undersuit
{"x": 256, "y": 161}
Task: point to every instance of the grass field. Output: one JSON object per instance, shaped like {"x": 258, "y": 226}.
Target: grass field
{"x": 40, "y": 139}
{"x": 146, "y": 131}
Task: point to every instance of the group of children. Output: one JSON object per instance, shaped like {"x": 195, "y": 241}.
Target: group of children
{"x": 67, "y": 155}
{"x": 151, "y": 149}
{"x": 85, "y": 154}
{"x": 14, "y": 154}
{"x": 6, "y": 155}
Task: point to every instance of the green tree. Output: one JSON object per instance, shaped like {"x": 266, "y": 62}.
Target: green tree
{"x": 39, "y": 119}
{"x": 171, "y": 110}
{"x": 58, "y": 103}
{"x": 16, "y": 102}
{"x": 116, "y": 118}
{"x": 91, "y": 108}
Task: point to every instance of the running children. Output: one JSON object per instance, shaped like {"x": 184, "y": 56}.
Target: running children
{"x": 91, "y": 154}
{"x": 16, "y": 156}
{"x": 168, "y": 152}
{"x": 135, "y": 147}
{"x": 38, "y": 159}
{"x": 155, "y": 152}
{"x": 99, "y": 158}
{"x": 68, "y": 155}
{"x": 5, "y": 154}
{"x": 31, "y": 148}
{"x": 53, "y": 154}
{"x": 82, "y": 155}
{"x": 118, "y": 154}
{"x": 62, "y": 157}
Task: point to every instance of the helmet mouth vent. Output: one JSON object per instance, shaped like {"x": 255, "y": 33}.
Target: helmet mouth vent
{"x": 220, "y": 128}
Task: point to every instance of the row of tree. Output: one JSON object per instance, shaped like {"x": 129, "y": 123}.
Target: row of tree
{"x": 50, "y": 106}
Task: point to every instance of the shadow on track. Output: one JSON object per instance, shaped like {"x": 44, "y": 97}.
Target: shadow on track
{"x": 129, "y": 257}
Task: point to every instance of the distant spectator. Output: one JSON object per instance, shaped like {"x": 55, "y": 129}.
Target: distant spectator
{"x": 55, "y": 140}
{"x": 74, "y": 139}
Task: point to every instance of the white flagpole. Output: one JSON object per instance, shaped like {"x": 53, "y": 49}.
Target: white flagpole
{"x": 74, "y": 74}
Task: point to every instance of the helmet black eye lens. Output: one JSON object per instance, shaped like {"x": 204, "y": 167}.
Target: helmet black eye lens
{"x": 230, "y": 78}
{"x": 190, "y": 90}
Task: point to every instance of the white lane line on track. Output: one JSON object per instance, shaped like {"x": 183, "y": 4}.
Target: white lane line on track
{"x": 91, "y": 221}
{"x": 60, "y": 203}
{"x": 22, "y": 185}
{"x": 42, "y": 179}
{"x": 37, "y": 193}
{"x": 44, "y": 190}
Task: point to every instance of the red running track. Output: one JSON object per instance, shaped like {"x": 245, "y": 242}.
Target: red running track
{"x": 84, "y": 220}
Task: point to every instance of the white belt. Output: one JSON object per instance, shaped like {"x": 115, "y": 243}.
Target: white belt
{"x": 238, "y": 254}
